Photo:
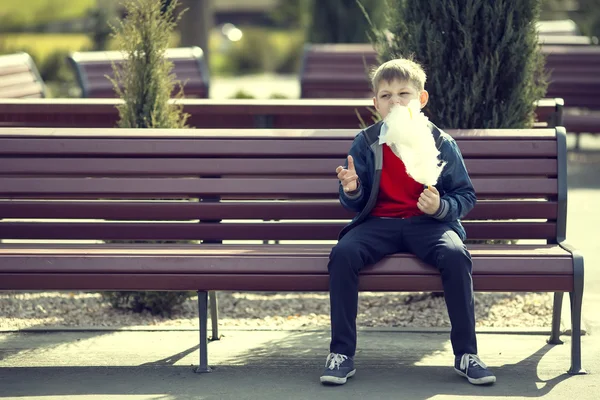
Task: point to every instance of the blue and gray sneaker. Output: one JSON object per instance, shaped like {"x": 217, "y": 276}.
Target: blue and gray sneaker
{"x": 338, "y": 368}
{"x": 472, "y": 368}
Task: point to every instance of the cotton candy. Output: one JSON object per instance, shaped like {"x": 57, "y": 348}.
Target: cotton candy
{"x": 410, "y": 138}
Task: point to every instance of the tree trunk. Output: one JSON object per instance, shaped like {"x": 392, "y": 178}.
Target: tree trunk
{"x": 196, "y": 23}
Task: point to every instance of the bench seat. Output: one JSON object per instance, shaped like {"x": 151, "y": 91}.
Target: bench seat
{"x": 264, "y": 268}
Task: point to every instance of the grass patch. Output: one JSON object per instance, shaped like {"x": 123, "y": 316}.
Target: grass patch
{"x": 19, "y": 14}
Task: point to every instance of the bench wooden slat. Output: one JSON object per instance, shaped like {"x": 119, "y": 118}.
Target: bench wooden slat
{"x": 213, "y": 113}
{"x": 233, "y": 166}
{"x": 251, "y": 187}
{"x": 266, "y": 282}
{"x": 502, "y": 148}
{"x": 24, "y": 78}
{"x": 484, "y": 209}
{"x": 30, "y": 90}
{"x": 132, "y": 263}
{"x": 242, "y": 231}
{"x": 97, "y": 135}
{"x": 258, "y": 250}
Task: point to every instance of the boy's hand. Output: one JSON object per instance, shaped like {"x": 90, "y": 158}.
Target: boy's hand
{"x": 429, "y": 200}
{"x": 348, "y": 177}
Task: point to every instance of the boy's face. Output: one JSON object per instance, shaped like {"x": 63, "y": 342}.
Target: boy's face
{"x": 396, "y": 92}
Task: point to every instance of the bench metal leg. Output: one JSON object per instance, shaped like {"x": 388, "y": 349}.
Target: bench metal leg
{"x": 556, "y": 314}
{"x": 576, "y": 297}
{"x": 577, "y": 141}
{"x": 203, "y": 348}
{"x": 214, "y": 314}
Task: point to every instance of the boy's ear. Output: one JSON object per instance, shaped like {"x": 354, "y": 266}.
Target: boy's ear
{"x": 423, "y": 98}
{"x": 375, "y": 103}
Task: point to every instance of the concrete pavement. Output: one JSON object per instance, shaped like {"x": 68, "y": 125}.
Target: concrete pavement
{"x": 281, "y": 365}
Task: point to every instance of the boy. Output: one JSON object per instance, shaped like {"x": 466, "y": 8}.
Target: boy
{"x": 397, "y": 214}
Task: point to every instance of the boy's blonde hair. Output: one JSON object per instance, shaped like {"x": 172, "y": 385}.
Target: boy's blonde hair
{"x": 402, "y": 69}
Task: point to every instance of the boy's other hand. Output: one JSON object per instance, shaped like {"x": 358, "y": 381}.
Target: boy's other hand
{"x": 429, "y": 200}
{"x": 347, "y": 176}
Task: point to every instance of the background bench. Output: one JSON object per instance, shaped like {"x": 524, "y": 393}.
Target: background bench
{"x": 19, "y": 77}
{"x": 92, "y": 67}
{"x": 112, "y": 184}
{"x": 234, "y": 113}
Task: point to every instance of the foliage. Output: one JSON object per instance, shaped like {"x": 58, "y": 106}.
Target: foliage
{"x": 157, "y": 303}
{"x": 484, "y": 65}
{"x": 145, "y": 82}
{"x": 343, "y": 21}
{"x": 144, "y": 79}
{"x": 18, "y": 16}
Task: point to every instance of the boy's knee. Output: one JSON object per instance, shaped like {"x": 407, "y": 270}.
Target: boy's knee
{"x": 343, "y": 254}
{"x": 455, "y": 257}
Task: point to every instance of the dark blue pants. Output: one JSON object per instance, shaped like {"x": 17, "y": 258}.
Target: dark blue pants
{"x": 430, "y": 240}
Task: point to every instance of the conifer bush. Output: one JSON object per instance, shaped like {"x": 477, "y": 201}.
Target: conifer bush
{"x": 483, "y": 62}
{"x": 145, "y": 82}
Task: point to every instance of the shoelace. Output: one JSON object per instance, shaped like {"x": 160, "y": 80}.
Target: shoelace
{"x": 334, "y": 360}
{"x": 470, "y": 359}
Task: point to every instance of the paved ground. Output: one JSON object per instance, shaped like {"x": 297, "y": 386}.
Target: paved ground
{"x": 286, "y": 364}
{"x": 280, "y": 365}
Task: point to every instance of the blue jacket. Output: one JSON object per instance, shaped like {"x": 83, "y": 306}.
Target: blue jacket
{"x": 454, "y": 185}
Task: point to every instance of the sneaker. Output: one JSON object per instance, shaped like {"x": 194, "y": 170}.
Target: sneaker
{"x": 338, "y": 368}
{"x": 472, "y": 368}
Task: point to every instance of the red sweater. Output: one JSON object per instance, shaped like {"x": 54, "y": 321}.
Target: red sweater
{"x": 398, "y": 191}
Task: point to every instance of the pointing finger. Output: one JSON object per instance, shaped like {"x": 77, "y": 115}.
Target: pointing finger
{"x": 351, "y": 164}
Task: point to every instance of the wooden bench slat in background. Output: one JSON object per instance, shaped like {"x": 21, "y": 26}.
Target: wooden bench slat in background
{"x": 19, "y": 77}
{"x": 235, "y": 113}
{"x": 91, "y": 68}
{"x": 69, "y": 201}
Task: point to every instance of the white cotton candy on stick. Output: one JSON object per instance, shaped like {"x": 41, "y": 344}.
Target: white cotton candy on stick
{"x": 410, "y": 138}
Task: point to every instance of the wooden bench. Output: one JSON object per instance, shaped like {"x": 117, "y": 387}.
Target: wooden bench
{"x": 91, "y": 68}
{"x": 574, "y": 76}
{"x": 19, "y": 77}
{"x": 229, "y": 114}
{"x": 109, "y": 184}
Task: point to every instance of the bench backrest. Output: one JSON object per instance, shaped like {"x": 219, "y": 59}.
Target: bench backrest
{"x": 234, "y": 113}
{"x": 19, "y": 77}
{"x": 338, "y": 71}
{"x": 91, "y": 68}
{"x": 574, "y": 74}
{"x": 102, "y": 184}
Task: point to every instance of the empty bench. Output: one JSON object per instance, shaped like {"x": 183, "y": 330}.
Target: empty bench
{"x": 115, "y": 184}
{"x": 19, "y": 77}
{"x": 91, "y": 69}
{"x": 230, "y": 114}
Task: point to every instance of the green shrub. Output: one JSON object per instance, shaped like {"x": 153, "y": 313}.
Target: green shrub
{"x": 144, "y": 79}
{"x": 145, "y": 82}
{"x": 242, "y": 94}
{"x": 342, "y": 21}
{"x": 484, "y": 65}
{"x": 157, "y": 303}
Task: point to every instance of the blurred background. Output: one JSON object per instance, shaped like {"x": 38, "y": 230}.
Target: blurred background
{"x": 253, "y": 48}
